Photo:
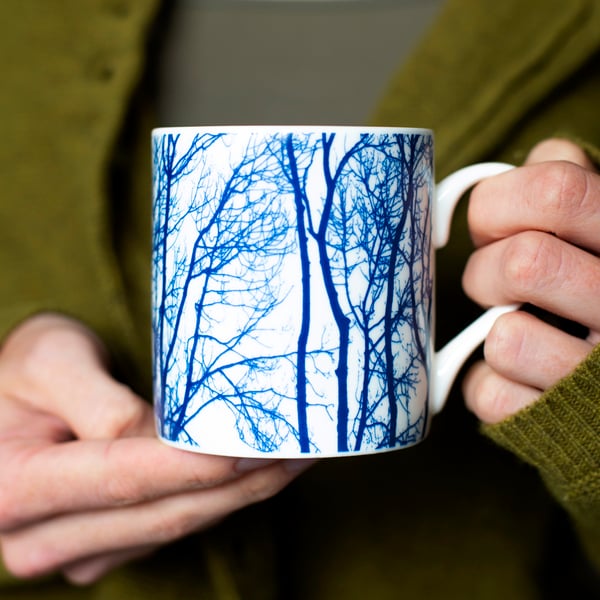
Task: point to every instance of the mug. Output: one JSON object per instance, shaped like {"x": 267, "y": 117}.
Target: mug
{"x": 292, "y": 288}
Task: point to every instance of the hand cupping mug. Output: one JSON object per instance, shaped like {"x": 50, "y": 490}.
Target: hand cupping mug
{"x": 293, "y": 273}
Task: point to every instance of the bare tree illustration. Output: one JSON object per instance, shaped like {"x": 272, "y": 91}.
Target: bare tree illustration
{"x": 228, "y": 240}
{"x": 319, "y": 244}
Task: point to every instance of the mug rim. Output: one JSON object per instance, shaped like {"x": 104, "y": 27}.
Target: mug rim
{"x": 263, "y": 129}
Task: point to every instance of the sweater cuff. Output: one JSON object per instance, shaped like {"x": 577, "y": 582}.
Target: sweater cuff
{"x": 560, "y": 436}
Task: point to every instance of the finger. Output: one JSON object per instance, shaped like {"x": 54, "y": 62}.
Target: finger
{"x": 57, "y": 366}
{"x": 37, "y": 483}
{"x": 557, "y": 197}
{"x": 540, "y": 269}
{"x": 492, "y": 397}
{"x": 90, "y": 570}
{"x": 53, "y": 544}
{"x": 559, "y": 149}
{"x": 594, "y": 338}
{"x": 528, "y": 351}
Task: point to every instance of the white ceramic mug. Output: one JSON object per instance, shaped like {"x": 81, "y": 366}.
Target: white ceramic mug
{"x": 293, "y": 273}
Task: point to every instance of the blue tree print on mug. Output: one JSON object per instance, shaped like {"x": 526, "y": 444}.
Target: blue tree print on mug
{"x": 288, "y": 272}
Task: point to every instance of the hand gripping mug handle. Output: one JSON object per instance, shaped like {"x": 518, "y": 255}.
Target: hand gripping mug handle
{"x": 448, "y": 360}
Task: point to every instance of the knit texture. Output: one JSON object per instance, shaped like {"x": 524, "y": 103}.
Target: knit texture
{"x": 454, "y": 518}
{"x": 478, "y": 71}
{"x": 559, "y": 436}
{"x": 69, "y": 71}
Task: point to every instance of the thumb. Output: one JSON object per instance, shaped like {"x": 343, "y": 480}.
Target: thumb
{"x": 57, "y": 365}
{"x": 559, "y": 149}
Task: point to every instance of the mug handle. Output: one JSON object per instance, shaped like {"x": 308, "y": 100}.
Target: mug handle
{"x": 448, "y": 360}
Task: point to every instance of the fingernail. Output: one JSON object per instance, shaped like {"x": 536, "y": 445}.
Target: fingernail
{"x": 245, "y": 465}
{"x": 295, "y": 466}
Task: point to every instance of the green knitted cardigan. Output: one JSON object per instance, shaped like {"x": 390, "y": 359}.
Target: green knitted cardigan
{"x": 457, "y": 517}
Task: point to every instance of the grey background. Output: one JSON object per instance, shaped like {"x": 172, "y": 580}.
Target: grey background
{"x": 285, "y": 61}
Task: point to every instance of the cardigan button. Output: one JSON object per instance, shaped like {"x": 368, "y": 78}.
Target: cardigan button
{"x": 105, "y": 72}
{"x": 100, "y": 70}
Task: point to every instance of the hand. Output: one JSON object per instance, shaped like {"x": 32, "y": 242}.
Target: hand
{"x": 536, "y": 229}
{"x": 85, "y": 485}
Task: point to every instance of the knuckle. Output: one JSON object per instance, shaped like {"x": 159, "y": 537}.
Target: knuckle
{"x": 44, "y": 344}
{"x": 35, "y": 356}
{"x": 39, "y": 353}
{"x": 118, "y": 491}
{"x": 492, "y": 400}
{"x": 260, "y": 486}
{"x": 38, "y": 347}
{"x": 166, "y": 527}
{"x": 121, "y": 483}
{"x": 208, "y": 474}
{"x": 15, "y": 492}
{"x": 532, "y": 261}
{"x": 562, "y": 189}
{"x": 506, "y": 340}
{"x": 125, "y": 413}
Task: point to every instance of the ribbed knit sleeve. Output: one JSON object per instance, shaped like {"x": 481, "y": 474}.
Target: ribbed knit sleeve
{"x": 560, "y": 436}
